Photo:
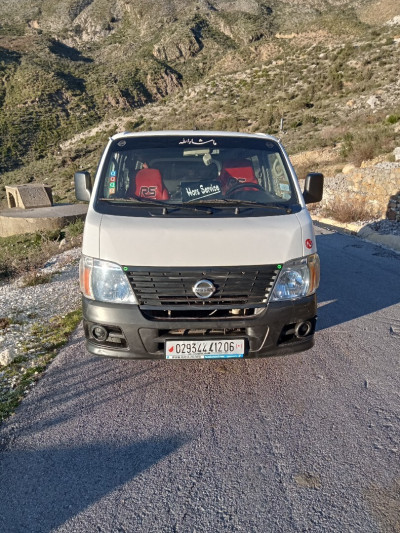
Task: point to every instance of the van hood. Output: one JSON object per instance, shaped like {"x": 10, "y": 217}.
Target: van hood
{"x": 186, "y": 242}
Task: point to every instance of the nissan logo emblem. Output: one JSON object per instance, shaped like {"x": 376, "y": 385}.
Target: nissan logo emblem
{"x": 204, "y": 289}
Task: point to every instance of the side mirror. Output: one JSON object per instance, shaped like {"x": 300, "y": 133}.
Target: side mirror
{"x": 83, "y": 186}
{"x": 313, "y": 188}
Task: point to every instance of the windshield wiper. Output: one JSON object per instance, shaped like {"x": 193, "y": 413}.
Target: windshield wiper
{"x": 270, "y": 205}
{"x": 167, "y": 207}
{"x": 226, "y": 202}
{"x": 132, "y": 201}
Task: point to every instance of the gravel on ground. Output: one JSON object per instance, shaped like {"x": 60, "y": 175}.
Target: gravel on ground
{"x": 25, "y": 310}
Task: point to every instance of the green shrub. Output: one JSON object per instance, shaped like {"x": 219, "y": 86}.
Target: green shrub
{"x": 347, "y": 145}
{"x": 132, "y": 125}
{"x": 393, "y": 119}
{"x": 75, "y": 229}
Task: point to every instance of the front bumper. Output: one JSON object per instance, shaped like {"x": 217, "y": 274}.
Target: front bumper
{"x": 133, "y": 336}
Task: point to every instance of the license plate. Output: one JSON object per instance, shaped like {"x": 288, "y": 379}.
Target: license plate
{"x": 207, "y": 349}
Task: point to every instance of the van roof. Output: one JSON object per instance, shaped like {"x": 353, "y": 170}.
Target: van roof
{"x": 193, "y": 133}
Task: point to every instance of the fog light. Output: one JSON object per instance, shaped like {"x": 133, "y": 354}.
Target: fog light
{"x": 302, "y": 329}
{"x": 99, "y": 333}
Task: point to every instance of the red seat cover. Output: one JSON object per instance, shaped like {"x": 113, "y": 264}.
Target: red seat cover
{"x": 240, "y": 169}
{"x": 149, "y": 184}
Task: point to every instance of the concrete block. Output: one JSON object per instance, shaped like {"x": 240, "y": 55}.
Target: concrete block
{"x": 19, "y": 221}
{"x": 29, "y": 196}
{"x": 391, "y": 241}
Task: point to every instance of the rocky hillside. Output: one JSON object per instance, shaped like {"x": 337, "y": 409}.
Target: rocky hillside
{"x": 74, "y": 71}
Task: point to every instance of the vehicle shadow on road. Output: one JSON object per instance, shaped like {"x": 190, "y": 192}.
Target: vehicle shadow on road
{"x": 75, "y": 379}
{"x": 357, "y": 279}
{"x": 42, "y": 489}
{"x": 88, "y": 381}
{"x": 45, "y": 478}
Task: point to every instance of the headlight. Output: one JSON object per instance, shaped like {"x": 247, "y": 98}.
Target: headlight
{"x": 297, "y": 278}
{"x": 104, "y": 281}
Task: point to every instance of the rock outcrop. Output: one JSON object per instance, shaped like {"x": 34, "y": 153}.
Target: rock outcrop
{"x": 378, "y": 188}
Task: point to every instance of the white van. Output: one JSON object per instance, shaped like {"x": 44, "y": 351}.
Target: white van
{"x": 198, "y": 245}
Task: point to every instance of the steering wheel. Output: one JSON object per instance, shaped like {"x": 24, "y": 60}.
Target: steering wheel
{"x": 243, "y": 185}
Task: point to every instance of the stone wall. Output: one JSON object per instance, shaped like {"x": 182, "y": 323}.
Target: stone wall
{"x": 378, "y": 188}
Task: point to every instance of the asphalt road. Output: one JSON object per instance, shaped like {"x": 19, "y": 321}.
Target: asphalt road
{"x": 308, "y": 442}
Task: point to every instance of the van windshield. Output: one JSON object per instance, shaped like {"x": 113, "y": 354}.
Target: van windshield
{"x": 216, "y": 171}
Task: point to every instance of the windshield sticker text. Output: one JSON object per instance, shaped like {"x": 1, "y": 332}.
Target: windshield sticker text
{"x": 196, "y": 191}
{"x": 200, "y": 142}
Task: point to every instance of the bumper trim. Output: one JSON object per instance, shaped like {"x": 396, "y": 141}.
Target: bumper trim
{"x": 272, "y": 332}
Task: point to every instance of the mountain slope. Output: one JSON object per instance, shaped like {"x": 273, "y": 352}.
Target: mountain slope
{"x": 67, "y": 66}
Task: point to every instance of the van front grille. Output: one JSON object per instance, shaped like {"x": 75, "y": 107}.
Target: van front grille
{"x": 235, "y": 287}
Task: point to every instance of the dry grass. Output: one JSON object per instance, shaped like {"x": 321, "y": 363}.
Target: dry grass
{"x": 349, "y": 210}
{"x": 367, "y": 144}
{"x": 34, "y": 277}
{"x": 23, "y": 255}
{"x": 4, "y": 322}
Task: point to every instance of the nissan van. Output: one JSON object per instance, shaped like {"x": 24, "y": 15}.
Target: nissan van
{"x": 198, "y": 245}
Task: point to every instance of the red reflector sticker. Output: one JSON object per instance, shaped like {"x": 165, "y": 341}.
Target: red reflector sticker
{"x": 309, "y": 244}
